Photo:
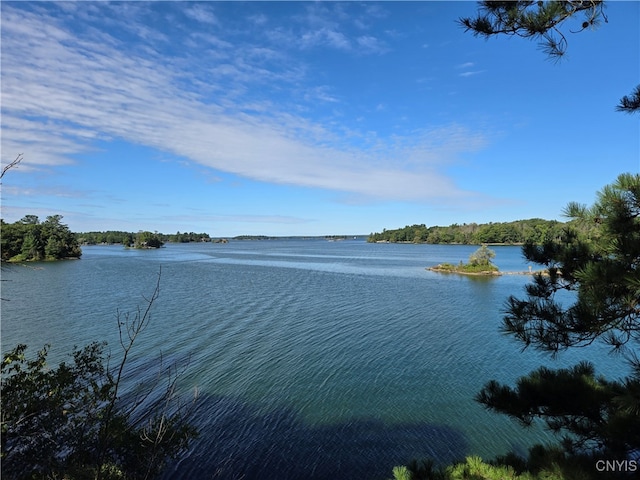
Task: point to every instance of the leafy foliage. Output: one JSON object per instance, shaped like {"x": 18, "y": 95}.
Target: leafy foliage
{"x": 401, "y": 473}
{"x": 542, "y": 464}
{"x": 29, "y": 239}
{"x": 73, "y": 422}
{"x": 591, "y": 293}
{"x": 482, "y": 257}
{"x": 147, "y": 240}
{"x": 110, "y": 237}
{"x": 185, "y": 237}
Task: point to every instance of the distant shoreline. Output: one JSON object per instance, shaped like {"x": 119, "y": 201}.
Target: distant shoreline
{"x": 490, "y": 244}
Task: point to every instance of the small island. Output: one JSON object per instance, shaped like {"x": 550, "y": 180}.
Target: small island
{"x": 479, "y": 264}
{"x": 147, "y": 241}
{"x": 30, "y": 240}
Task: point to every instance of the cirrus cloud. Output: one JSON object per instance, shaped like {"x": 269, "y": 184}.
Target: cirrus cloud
{"x": 63, "y": 90}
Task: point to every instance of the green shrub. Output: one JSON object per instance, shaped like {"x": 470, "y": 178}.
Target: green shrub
{"x": 71, "y": 422}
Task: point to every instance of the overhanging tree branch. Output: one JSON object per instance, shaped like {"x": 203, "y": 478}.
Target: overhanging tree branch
{"x": 541, "y": 20}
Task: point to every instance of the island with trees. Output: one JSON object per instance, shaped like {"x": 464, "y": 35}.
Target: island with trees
{"x": 128, "y": 239}
{"x": 146, "y": 239}
{"x": 29, "y": 239}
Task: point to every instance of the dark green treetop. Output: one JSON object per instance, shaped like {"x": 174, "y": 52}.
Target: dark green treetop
{"x": 603, "y": 271}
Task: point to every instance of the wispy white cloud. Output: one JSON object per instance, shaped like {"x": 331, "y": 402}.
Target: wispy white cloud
{"x": 325, "y": 37}
{"x": 370, "y": 44}
{"x": 259, "y": 19}
{"x": 328, "y": 25}
{"x": 62, "y": 91}
{"x": 64, "y": 192}
{"x": 202, "y": 12}
{"x": 470, "y": 73}
{"x": 320, "y": 93}
{"x": 46, "y": 142}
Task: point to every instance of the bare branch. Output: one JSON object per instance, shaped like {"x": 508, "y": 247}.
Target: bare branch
{"x": 11, "y": 165}
{"x": 132, "y": 328}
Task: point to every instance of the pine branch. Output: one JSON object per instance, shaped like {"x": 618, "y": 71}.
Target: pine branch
{"x": 537, "y": 20}
{"x": 630, "y": 103}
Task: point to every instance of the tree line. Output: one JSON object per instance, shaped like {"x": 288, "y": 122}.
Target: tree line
{"x": 112, "y": 237}
{"x": 535, "y": 230}
{"x": 30, "y": 239}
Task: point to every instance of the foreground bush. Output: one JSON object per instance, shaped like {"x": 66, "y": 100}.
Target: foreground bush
{"x": 541, "y": 464}
{"x": 73, "y": 422}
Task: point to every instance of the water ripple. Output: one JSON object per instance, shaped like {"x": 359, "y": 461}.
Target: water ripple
{"x": 314, "y": 359}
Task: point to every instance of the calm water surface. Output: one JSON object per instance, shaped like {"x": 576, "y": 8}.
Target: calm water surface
{"x": 313, "y": 359}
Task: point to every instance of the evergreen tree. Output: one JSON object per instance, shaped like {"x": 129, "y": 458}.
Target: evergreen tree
{"x": 29, "y": 239}
{"x": 31, "y": 248}
{"x": 603, "y": 274}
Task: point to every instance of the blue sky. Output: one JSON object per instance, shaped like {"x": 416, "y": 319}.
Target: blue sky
{"x": 287, "y": 118}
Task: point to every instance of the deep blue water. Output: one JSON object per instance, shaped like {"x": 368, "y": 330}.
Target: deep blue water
{"x": 313, "y": 359}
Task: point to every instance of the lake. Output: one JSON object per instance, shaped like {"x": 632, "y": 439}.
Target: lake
{"x": 313, "y": 359}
